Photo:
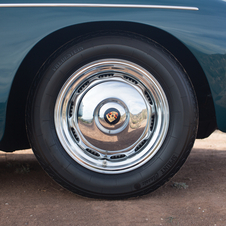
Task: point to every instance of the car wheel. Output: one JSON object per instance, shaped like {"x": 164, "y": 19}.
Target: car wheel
{"x": 112, "y": 115}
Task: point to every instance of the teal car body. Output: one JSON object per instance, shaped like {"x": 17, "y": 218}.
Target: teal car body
{"x": 193, "y": 31}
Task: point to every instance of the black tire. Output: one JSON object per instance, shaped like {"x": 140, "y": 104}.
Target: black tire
{"x": 145, "y": 169}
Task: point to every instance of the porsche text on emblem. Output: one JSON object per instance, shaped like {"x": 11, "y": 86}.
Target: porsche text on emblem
{"x": 112, "y": 116}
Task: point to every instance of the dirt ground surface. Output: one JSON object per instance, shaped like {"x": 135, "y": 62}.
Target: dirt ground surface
{"x": 195, "y": 196}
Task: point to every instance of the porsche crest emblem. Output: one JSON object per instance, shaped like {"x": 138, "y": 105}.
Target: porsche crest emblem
{"x": 112, "y": 116}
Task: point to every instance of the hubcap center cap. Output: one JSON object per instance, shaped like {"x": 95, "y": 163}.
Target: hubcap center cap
{"x": 111, "y": 116}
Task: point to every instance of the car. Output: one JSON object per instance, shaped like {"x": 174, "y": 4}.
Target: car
{"x": 111, "y": 95}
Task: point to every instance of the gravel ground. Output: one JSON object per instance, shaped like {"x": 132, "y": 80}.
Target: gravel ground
{"x": 195, "y": 196}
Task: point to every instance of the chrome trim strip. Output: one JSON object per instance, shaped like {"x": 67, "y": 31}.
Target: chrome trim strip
{"x": 22, "y": 5}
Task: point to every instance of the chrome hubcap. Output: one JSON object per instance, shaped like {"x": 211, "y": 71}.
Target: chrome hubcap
{"x": 111, "y": 116}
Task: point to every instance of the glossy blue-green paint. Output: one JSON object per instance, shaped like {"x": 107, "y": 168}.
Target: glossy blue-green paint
{"x": 203, "y": 32}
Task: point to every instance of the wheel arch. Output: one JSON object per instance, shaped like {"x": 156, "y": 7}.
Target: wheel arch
{"x": 15, "y": 137}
